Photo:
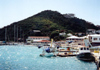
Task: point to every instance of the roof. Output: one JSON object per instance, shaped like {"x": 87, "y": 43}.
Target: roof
{"x": 69, "y": 34}
{"x": 73, "y": 37}
{"x": 94, "y": 35}
{"x": 44, "y": 41}
{"x": 36, "y": 30}
{"x": 38, "y": 36}
{"x": 90, "y": 29}
{"x": 83, "y": 37}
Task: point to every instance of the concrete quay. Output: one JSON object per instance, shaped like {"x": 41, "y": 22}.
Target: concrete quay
{"x": 97, "y": 60}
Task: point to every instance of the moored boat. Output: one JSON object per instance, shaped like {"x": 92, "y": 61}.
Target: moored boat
{"x": 49, "y": 49}
{"x": 85, "y": 54}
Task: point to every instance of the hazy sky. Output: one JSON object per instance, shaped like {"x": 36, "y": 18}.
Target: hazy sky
{"x": 16, "y": 10}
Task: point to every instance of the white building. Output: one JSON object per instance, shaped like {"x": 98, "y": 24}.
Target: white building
{"x": 37, "y": 40}
{"x": 69, "y": 34}
{"x": 76, "y": 40}
{"x": 94, "y": 39}
{"x": 98, "y": 31}
{"x": 62, "y": 34}
{"x": 91, "y": 31}
{"x": 70, "y": 15}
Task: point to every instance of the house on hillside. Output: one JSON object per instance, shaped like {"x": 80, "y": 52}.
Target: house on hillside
{"x": 91, "y": 31}
{"x": 62, "y": 34}
{"x": 98, "y": 31}
{"x": 80, "y": 34}
{"x": 69, "y": 34}
{"x": 70, "y": 15}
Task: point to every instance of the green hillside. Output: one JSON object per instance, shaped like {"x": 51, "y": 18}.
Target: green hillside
{"x": 46, "y": 21}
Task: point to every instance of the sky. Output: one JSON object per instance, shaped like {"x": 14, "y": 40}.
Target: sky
{"x": 16, "y": 10}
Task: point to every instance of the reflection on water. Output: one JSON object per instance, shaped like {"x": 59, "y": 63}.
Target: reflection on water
{"x": 27, "y": 58}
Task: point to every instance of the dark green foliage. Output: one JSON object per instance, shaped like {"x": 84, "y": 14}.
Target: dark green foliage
{"x": 54, "y": 34}
{"x": 47, "y": 22}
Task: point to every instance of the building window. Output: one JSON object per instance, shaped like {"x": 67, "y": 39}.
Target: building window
{"x": 95, "y": 38}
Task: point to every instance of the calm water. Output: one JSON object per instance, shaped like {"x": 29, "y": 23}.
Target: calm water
{"x": 27, "y": 58}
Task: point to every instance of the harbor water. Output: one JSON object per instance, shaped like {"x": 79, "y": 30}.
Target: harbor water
{"x": 27, "y": 58}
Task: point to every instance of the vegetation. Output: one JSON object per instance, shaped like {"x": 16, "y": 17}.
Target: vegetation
{"x": 47, "y": 22}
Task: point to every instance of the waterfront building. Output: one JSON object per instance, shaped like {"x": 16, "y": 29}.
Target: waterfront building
{"x": 2, "y": 42}
{"x": 61, "y": 43}
{"x": 38, "y": 40}
{"x": 94, "y": 39}
{"x": 75, "y": 40}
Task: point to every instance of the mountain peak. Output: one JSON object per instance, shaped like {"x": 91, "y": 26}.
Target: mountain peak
{"x": 46, "y": 21}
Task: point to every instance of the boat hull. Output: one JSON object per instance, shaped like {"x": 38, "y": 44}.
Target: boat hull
{"x": 86, "y": 57}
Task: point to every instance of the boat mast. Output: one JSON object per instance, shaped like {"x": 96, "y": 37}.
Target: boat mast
{"x": 5, "y": 34}
{"x": 17, "y": 33}
{"x": 51, "y": 42}
{"x": 20, "y": 34}
{"x": 14, "y": 33}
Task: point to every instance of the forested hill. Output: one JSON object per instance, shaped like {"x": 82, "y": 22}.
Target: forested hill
{"x": 46, "y": 21}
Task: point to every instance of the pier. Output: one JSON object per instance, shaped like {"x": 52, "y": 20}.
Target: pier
{"x": 96, "y": 54}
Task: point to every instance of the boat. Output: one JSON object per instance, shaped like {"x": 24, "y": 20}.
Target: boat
{"x": 48, "y": 49}
{"x": 85, "y": 54}
{"x": 66, "y": 54}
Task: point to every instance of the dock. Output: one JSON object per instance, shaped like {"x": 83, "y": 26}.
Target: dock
{"x": 97, "y": 55}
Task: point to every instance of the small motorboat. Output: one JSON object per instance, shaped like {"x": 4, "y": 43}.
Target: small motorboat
{"x": 48, "y": 49}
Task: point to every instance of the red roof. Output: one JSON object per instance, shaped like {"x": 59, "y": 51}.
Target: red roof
{"x": 44, "y": 41}
{"x": 38, "y": 36}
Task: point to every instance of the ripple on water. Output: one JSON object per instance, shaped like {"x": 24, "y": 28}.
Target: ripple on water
{"x": 27, "y": 58}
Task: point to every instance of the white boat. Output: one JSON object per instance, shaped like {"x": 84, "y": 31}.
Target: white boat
{"x": 85, "y": 54}
{"x": 48, "y": 49}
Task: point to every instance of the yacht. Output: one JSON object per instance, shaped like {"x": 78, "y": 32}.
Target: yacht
{"x": 85, "y": 54}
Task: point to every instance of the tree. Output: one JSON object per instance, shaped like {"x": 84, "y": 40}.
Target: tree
{"x": 54, "y": 34}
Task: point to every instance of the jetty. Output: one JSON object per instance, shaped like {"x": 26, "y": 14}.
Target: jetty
{"x": 96, "y": 54}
